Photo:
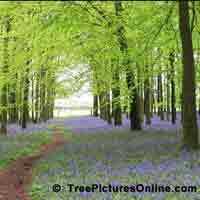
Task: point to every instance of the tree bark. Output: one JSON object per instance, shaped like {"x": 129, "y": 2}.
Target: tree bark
{"x": 102, "y": 106}
{"x": 135, "y": 122}
{"x": 168, "y": 95}
{"x": 43, "y": 116}
{"x": 95, "y": 106}
{"x": 160, "y": 98}
{"x": 108, "y": 108}
{"x": 173, "y": 97}
{"x": 13, "y": 112}
{"x": 37, "y": 99}
{"x": 4, "y": 91}
{"x": 116, "y": 103}
{"x": 199, "y": 103}
{"x": 32, "y": 98}
{"x": 190, "y": 129}
{"x": 147, "y": 102}
{"x": 140, "y": 93}
{"x": 25, "y": 108}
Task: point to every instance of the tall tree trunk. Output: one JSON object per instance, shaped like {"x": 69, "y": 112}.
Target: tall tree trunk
{"x": 151, "y": 97}
{"x": 4, "y": 90}
{"x": 199, "y": 102}
{"x": 168, "y": 95}
{"x": 147, "y": 102}
{"x": 37, "y": 98}
{"x": 13, "y": 115}
{"x": 95, "y": 106}
{"x": 102, "y": 106}
{"x": 161, "y": 96}
{"x": 49, "y": 94}
{"x": 43, "y": 94}
{"x": 135, "y": 119}
{"x": 141, "y": 105}
{"x": 52, "y": 96}
{"x": 135, "y": 122}
{"x": 108, "y": 108}
{"x": 25, "y": 108}
{"x": 158, "y": 94}
{"x": 32, "y": 98}
{"x": 20, "y": 97}
{"x": 173, "y": 98}
{"x": 190, "y": 129}
{"x": 153, "y": 108}
{"x": 116, "y": 103}
{"x": 140, "y": 93}
{"x": 181, "y": 101}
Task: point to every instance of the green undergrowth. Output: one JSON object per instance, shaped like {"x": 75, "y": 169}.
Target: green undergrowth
{"x": 14, "y": 147}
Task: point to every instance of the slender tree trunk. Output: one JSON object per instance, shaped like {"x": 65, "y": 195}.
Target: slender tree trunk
{"x": 158, "y": 94}
{"x": 140, "y": 94}
{"x": 161, "y": 98}
{"x": 190, "y": 129}
{"x": 43, "y": 95}
{"x": 52, "y": 96}
{"x": 151, "y": 97}
{"x": 51, "y": 114}
{"x": 49, "y": 94}
{"x": 4, "y": 91}
{"x": 32, "y": 99}
{"x": 173, "y": 98}
{"x": 135, "y": 122}
{"x": 25, "y": 109}
{"x": 141, "y": 105}
{"x": 20, "y": 97}
{"x": 153, "y": 109}
{"x": 181, "y": 101}
{"x": 168, "y": 95}
{"x": 135, "y": 119}
{"x": 108, "y": 108}
{"x": 116, "y": 103}
{"x": 37, "y": 96}
{"x": 147, "y": 97}
{"x": 95, "y": 106}
{"x": 13, "y": 102}
{"x": 102, "y": 108}
{"x": 199, "y": 102}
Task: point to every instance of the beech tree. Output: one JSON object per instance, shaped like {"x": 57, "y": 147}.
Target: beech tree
{"x": 190, "y": 130}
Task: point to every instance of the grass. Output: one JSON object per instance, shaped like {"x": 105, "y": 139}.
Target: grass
{"x": 14, "y": 147}
{"x": 117, "y": 158}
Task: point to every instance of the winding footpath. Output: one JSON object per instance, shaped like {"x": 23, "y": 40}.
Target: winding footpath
{"x": 15, "y": 179}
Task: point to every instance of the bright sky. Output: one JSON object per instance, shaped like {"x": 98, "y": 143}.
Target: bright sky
{"x": 82, "y": 98}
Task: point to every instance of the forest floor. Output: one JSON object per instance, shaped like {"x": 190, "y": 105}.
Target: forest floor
{"x": 15, "y": 178}
{"x": 102, "y": 154}
{"x": 99, "y": 153}
{"x": 89, "y": 124}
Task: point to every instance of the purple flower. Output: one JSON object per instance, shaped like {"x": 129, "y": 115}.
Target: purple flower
{"x": 74, "y": 168}
{"x": 86, "y": 194}
{"x": 145, "y": 166}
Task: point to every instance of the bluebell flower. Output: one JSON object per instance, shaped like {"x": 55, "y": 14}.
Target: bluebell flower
{"x": 108, "y": 195}
{"x": 74, "y": 168}
{"x": 144, "y": 166}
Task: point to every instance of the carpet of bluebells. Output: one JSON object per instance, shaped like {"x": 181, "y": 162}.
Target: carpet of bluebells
{"x": 88, "y": 124}
{"x": 98, "y": 153}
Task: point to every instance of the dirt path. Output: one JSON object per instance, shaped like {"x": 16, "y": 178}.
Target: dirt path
{"x": 15, "y": 179}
